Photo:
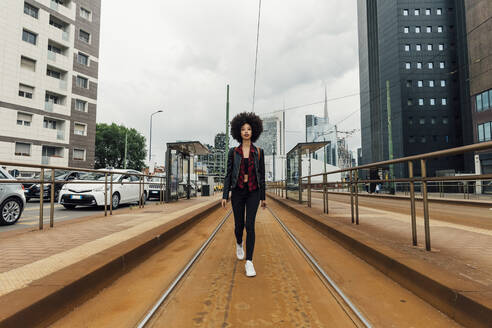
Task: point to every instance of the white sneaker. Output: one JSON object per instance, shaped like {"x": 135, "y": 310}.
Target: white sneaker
{"x": 239, "y": 251}
{"x": 250, "y": 269}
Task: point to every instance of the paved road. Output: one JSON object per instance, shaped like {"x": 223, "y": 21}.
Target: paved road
{"x": 30, "y": 216}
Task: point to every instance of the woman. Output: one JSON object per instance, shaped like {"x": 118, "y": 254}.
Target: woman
{"x": 245, "y": 177}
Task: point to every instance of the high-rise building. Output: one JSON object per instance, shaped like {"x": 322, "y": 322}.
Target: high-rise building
{"x": 320, "y": 129}
{"x": 479, "y": 27}
{"x": 49, "y": 52}
{"x": 272, "y": 141}
{"x": 413, "y": 72}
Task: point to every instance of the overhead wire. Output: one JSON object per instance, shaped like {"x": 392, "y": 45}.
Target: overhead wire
{"x": 256, "y": 55}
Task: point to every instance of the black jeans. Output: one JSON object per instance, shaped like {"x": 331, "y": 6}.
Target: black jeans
{"x": 244, "y": 200}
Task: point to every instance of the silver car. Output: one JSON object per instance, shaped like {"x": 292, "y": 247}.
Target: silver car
{"x": 12, "y": 199}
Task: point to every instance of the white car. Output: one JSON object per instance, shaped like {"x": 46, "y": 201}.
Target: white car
{"x": 88, "y": 194}
{"x": 12, "y": 199}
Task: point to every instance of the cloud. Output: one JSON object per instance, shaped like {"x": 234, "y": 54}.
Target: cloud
{"x": 180, "y": 55}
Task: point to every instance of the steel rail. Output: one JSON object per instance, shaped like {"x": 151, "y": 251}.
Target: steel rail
{"x": 322, "y": 272}
{"x": 176, "y": 281}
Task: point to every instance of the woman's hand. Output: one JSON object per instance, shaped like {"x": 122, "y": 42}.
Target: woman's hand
{"x": 263, "y": 204}
{"x": 224, "y": 203}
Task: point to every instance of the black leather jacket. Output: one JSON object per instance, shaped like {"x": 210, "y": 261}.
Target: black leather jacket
{"x": 232, "y": 174}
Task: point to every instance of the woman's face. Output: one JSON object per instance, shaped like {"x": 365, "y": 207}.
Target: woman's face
{"x": 246, "y": 131}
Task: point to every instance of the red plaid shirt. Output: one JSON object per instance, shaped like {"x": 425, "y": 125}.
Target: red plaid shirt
{"x": 252, "y": 185}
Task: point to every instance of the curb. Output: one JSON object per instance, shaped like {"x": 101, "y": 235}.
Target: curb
{"x": 468, "y": 202}
{"x": 48, "y": 299}
{"x": 452, "y": 301}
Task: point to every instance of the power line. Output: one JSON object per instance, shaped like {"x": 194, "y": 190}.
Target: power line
{"x": 256, "y": 56}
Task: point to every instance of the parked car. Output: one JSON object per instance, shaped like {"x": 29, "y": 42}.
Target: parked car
{"x": 12, "y": 199}
{"x": 32, "y": 190}
{"x": 92, "y": 194}
{"x": 155, "y": 187}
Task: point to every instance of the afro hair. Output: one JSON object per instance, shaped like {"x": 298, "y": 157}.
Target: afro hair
{"x": 242, "y": 118}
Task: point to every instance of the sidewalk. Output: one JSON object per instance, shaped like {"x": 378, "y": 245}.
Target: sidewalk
{"x": 33, "y": 255}
{"x": 460, "y": 261}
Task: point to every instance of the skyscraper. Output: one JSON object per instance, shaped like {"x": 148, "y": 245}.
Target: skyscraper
{"x": 49, "y": 52}
{"x": 413, "y": 72}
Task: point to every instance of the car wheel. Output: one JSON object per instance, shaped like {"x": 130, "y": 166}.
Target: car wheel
{"x": 115, "y": 200}
{"x": 69, "y": 207}
{"x": 10, "y": 211}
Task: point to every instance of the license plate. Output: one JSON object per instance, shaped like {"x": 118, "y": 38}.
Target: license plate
{"x": 75, "y": 197}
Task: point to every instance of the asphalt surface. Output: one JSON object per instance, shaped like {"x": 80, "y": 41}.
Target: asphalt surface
{"x": 30, "y": 215}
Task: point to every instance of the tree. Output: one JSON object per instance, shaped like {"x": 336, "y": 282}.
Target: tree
{"x": 110, "y": 147}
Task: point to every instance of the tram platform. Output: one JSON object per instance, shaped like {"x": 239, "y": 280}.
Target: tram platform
{"x": 39, "y": 268}
{"x": 455, "y": 276}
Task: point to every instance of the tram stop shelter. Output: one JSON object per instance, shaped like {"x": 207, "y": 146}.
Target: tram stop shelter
{"x": 294, "y": 167}
{"x": 179, "y": 168}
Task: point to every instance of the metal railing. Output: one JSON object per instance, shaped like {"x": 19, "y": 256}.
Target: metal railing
{"x": 353, "y": 183}
{"x": 108, "y": 185}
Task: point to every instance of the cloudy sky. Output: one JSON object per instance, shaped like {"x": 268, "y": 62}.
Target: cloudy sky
{"x": 180, "y": 55}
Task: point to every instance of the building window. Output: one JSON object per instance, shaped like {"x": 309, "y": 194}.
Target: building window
{"x": 406, "y": 29}
{"x": 49, "y": 124}
{"x": 439, "y": 11}
{"x": 405, "y": 12}
{"x": 24, "y": 119}
{"x": 444, "y": 101}
{"x": 420, "y": 83}
{"x": 428, "y": 29}
{"x": 52, "y": 98}
{"x": 409, "y": 101}
{"x": 428, "y": 12}
{"x": 22, "y": 149}
{"x": 422, "y": 121}
{"x": 84, "y": 36}
{"x": 417, "y": 29}
{"x": 83, "y": 59}
{"x": 485, "y": 100}
{"x": 409, "y": 83}
{"x": 419, "y": 65}
{"x": 416, "y": 12}
{"x": 433, "y": 101}
{"x": 30, "y": 10}
{"x": 54, "y": 49}
{"x": 441, "y": 64}
{"x": 443, "y": 83}
{"x": 418, "y": 47}
{"x": 429, "y": 47}
{"x": 434, "y": 138}
{"x": 481, "y": 134}
{"x": 433, "y": 120}
{"x": 407, "y": 47}
{"x": 423, "y": 139}
{"x": 411, "y": 139}
{"x": 445, "y": 120}
{"x": 440, "y": 29}
{"x": 26, "y": 91}
{"x": 29, "y": 37}
{"x": 431, "y": 83}
{"x": 441, "y": 47}
{"x": 487, "y": 131}
{"x": 84, "y": 13}
{"x": 80, "y": 129}
{"x": 80, "y": 105}
{"x": 408, "y": 65}
{"x": 430, "y": 65}
{"x": 479, "y": 102}
{"x": 421, "y": 101}
{"x": 410, "y": 120}
{"x": 28, "y": 63}
{"x": 82, "y": 82}
{"x": 54, "y": 74}
{"x": 79, "y": 154}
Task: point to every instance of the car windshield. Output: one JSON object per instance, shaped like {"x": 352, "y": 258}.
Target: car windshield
{"x": 156, "y": 179}
{"x": 97, "y": 176}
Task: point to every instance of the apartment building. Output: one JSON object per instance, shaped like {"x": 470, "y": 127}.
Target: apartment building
{"x": 49, "y": 52}
{"x": 413, "y": 78}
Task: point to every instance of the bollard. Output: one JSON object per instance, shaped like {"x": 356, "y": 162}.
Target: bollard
{"x": 140, "y": 192}
{"x": 52, "y": 199}
{"x": 142, "y": 181}
{"x": 426, "y": 205}
{"x": 111, "y": 193}
{"x": 105, "y": 194}
{"x": 351, "y": 196}
{"x": 356, "y": 196}
{"x": 41, "y": 199}
{"x": 412, "y": 204}
{"x": 160, "y": 192}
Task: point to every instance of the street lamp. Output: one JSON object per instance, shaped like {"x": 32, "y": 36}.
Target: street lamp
{"x": 150, "y": 141}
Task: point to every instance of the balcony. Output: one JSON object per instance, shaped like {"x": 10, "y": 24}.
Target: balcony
{"x": 67, "y": 10}
{"x": 59, "y": 35}
{"x": 48, "y": 106}
{"x": 59, "y": 60}
{"x": 60, "y": 134}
